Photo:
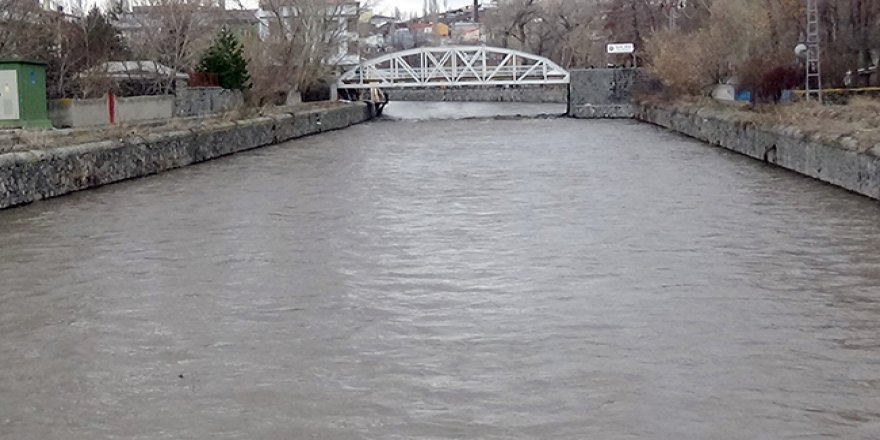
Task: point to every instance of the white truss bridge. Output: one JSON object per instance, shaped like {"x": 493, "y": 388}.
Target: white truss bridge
{"x": 453, "y": 66}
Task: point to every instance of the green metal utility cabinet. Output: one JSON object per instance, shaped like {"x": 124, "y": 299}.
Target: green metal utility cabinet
{"x": 23, "y": 94}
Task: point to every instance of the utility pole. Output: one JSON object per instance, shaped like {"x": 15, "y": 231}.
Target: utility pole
{"x": 476, "y": 11}
{"x": 814, "y": 53}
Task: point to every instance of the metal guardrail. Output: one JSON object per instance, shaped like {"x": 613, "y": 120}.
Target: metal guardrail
{"x": 841, "y": 91}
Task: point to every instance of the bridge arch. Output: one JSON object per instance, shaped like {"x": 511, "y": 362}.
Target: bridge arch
{"x": 452, "y": 66}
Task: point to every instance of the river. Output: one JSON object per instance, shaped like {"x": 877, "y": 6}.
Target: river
{"x": 447, "y": 279}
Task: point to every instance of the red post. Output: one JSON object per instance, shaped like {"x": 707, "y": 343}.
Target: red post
{"x": 111, "y": 108}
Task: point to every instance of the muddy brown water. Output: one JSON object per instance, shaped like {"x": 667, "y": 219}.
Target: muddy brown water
{"x": 470, "y": 279}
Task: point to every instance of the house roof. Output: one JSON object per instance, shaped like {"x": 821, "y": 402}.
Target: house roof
{"x": 134, "y": 70}
{"x": 421, "y": 26}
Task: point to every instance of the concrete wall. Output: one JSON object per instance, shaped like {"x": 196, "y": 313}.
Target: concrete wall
{"x": 38, "y": 174}
{"x": 533, "y": 94}
{"x": 828, "y": 160}
{"x": 602, "y": 93}
{"x": 190, "y": 101}
{"x": 93, "y": 112}
{"x": 201, "y": 101}
{"x": 144, "y": 108}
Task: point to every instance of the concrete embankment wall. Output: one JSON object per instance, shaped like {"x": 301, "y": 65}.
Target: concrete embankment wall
{"x": 28, "y": 176}
{"x": 602, "y": 93}
{"x": 608, "y": 93}
{"x": 827, "y": 160}
{"x": 529, "y": 93}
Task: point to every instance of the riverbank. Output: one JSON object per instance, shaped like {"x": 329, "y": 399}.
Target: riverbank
{"x": 821, "y": 143}
{"x": 422, "y": 110}
{"x": 50, "y": 164}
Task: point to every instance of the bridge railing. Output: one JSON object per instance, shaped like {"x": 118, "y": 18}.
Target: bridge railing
{"x": 437, "y": 67}
{"x": 420, "y": 76}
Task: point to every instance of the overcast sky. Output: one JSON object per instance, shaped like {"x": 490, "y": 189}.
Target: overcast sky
{"x": 387, "y": 6}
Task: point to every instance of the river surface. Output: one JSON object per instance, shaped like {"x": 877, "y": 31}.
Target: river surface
{"x": 468, "y": 279}
{"x": 415, "y": 110}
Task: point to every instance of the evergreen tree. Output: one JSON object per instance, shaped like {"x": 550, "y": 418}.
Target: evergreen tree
{"x": 225, "y": 58}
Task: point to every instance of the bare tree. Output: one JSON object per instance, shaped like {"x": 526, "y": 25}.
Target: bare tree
{"x": 301, "y": 42}
{"x": 86, "y": 44}
{"x": 172, "y": 33}
{"x": 28, "y": 31}
{"x": 508, "y": 25}
{"x": 567, "y": 31}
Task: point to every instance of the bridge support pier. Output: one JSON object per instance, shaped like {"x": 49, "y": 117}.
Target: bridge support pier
{"x": 602, "y": 93}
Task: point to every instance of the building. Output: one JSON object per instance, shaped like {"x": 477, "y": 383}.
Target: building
{"x": 378, "y": 21}
{"x": 133, "y": 20}
{"x": 75, "y": 8}
{"x": 243, "y": 22}
{"x": 465, "y": 14}
{"x": 467, "y": 33}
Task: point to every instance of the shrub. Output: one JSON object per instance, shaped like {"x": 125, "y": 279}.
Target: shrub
{"x": 225, "y": 59}
{"x": 766, "y": 78}
{"x": 688, "y": 64}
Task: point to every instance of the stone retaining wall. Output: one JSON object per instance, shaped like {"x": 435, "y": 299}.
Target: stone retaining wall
{"x": 530, "y": 94}
{"x": 38, "y": 174}
{"x": 787, "y": 147}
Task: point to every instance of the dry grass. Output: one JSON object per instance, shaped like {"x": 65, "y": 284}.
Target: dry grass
{"x": 862, "y": 111}
{"x": 855, "y": 125}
